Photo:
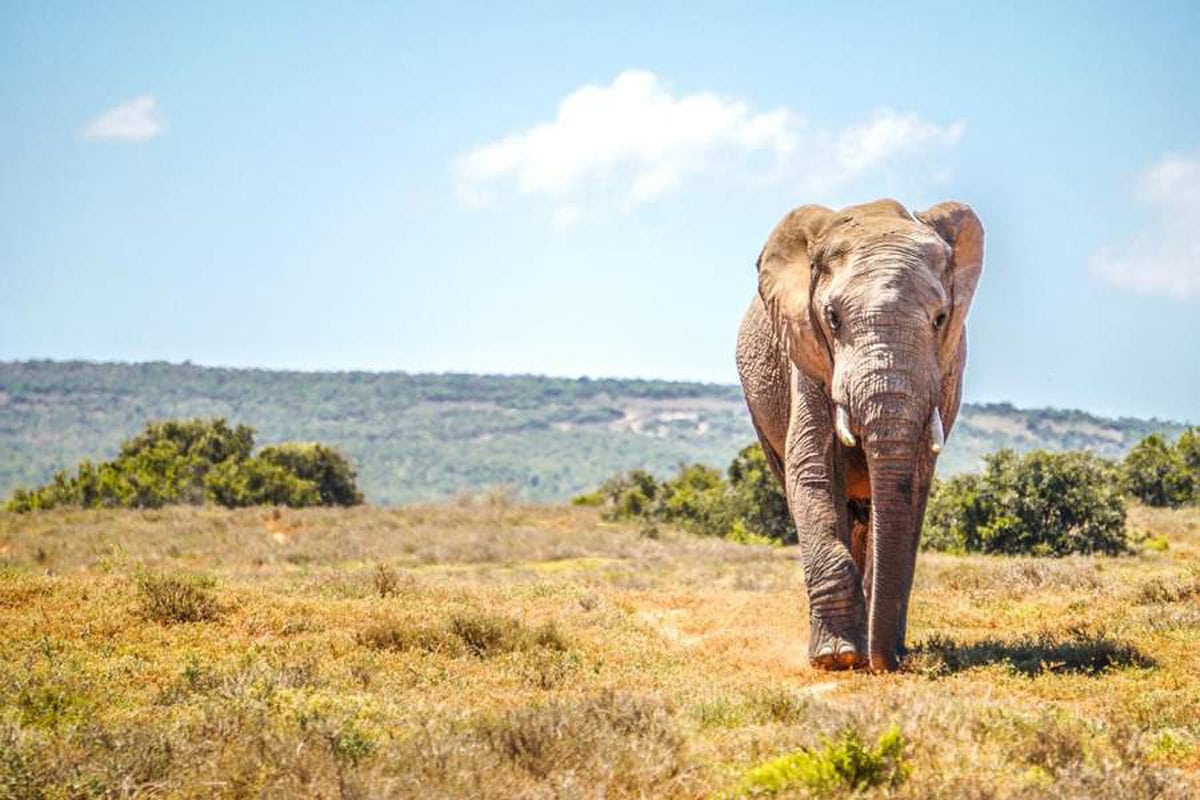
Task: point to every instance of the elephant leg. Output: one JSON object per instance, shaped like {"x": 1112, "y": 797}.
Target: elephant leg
{"x": 816, "y": 497}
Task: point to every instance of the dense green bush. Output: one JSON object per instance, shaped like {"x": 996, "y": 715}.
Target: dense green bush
{"x": 624, "y": 496}
{"x": 1160, "y": 474}
{"x": 842, "y": 765}
{"x": 197, "y": 461}
{"x": 322, "y": 465}
{"x": 255, "y": 482}
{"x": 1040, "y": 503}
{"x": 1188, "y": 447}
{"x": 757, "y": 497}
{"x": 748, "y": 504}
{"x": 696, "y": 499}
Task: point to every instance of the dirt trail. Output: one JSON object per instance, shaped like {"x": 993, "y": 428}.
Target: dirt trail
{"x": 748, "y": 631}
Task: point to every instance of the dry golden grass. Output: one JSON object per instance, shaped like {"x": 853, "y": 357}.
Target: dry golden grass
{"x": 486, "y": 650}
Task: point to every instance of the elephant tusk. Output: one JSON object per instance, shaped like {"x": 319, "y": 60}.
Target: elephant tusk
{"x": 936, "y": 432}
{"x": 842, "y": 423}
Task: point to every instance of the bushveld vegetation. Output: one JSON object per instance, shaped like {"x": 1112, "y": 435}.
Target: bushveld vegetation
{"x": 429, "y": 437}
{"x": 1039, "y": 503}
{"x": 1161, "y": 474}
{"x": 492, "y": 650}
{"x": 746, "y": 505}
{"x": 198, "y": 461}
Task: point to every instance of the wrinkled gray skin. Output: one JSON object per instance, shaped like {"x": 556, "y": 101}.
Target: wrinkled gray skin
{"x": 865, "y": 309}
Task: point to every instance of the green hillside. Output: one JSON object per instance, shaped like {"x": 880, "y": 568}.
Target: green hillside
{"x": 426, "y": 437}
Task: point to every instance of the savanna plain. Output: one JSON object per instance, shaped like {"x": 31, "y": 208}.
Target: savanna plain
{"x": 488, "y": 649}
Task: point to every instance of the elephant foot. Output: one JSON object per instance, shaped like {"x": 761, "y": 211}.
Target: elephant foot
{"x": 846, "y": 657}
{"x": 831, "y": 649}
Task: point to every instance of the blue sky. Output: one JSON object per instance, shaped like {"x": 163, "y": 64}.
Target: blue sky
{"x": 581, "y": 190}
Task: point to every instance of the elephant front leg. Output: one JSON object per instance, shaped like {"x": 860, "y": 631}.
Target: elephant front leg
{"x": 837, "y": 613}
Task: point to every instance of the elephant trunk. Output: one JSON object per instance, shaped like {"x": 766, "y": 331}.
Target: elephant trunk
{"x": 892, "y": 539}
{"x": 896, "y": 421}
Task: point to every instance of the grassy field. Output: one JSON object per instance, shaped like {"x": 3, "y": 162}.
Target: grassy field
{"x": 490, "y": 650}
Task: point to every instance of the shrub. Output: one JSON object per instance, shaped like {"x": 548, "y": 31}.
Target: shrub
{"x": 748, "y": 507}
{"x": 319, "y": 464}
{"x": 1041, "y": 503}
{"x": 480, "y": 634}
{"x": 385, "y": 580}
{"x": 1161, "y": 475}
{"x": 197, "y": 461}
{"x": 1188, "y": 447}
{"x": 487, "y": 634}
{"x": 840, "y": 765}
{"x": 169, "y": 600}
{"x": 633, "y": 739}
{"x": 254, "y": 482}
{"x": 199, "y": 440}
{"x": 401, "y": 638}
{"x": 696, "y": 500}
{"x": 629, "y": 495}
{"x": 757, "y": 497}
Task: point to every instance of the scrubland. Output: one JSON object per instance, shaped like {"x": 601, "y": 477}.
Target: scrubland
{"x": 482, "y": 649}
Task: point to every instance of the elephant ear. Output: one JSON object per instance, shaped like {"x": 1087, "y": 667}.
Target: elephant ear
{"x": 786, "y": 281}
{"x": 958, "y": 226}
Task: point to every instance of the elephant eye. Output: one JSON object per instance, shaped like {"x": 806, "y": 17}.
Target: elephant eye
{"x": 835, "y": 321}
{"x": 939, "y": 321}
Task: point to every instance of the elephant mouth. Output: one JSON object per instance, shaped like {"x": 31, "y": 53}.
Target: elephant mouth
{"x": 858, "y": 475}
{"x": 846, "y": 431}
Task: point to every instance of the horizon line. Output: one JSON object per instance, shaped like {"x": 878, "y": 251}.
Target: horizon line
{"x": 548, "y": 376}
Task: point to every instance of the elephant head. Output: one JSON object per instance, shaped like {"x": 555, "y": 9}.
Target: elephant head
{"x": 871, "y": 301}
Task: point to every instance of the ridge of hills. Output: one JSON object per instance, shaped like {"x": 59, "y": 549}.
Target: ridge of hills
{"x": 426, "y": 437}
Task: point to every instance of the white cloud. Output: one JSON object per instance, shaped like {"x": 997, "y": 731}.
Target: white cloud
{"x": 135, "y": 120}
{"x": 887, "y": 135}
{"x": 1164, "y": 257}
{"x": 634, "y": 141}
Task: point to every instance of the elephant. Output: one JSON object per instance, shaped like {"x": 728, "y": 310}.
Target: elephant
{"x": 851, "y": 359}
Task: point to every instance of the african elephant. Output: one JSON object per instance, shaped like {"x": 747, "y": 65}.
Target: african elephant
{"x": 851, "y": 359}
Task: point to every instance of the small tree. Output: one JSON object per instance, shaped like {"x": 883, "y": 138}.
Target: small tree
{"x": 1160, "y": 475}
{"x": 1040, "y": 504}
